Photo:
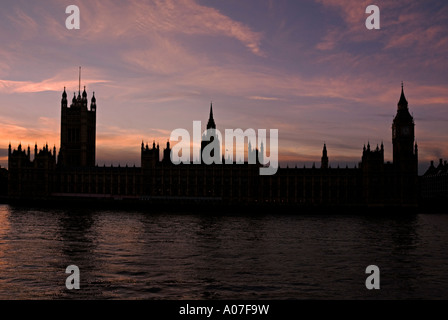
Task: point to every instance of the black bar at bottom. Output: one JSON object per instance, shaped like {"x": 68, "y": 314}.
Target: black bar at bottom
{"x": 222, "y": 309}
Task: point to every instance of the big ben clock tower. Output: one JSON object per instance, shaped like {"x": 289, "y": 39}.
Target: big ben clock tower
{"x": 405, "y": 152}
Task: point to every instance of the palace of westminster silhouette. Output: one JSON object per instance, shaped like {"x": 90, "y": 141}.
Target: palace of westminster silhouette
{"x": 73, "y": 174}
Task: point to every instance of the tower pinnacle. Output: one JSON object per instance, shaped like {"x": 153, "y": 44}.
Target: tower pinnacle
{"x": 403, "y": 103}
{"x": 79, "y": 81}
{"x": 324, "y": 160}
{"x": 211, "y": 122}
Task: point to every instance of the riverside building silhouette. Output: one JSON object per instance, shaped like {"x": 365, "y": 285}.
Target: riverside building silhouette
{"x": 434, "y": 185}
{"x": 72, "y": 173}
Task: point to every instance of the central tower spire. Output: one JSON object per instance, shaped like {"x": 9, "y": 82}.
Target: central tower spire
{"x": 78, "y": 130}
{"x": 79, "y": 81}
{"x": 403, "y": 103}
{"x": 211, "y": 122}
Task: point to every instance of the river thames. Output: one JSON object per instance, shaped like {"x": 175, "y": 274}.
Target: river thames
{"x": 176, "y": 256}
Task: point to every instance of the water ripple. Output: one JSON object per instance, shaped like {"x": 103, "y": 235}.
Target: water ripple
{"x": 137, "y": 255}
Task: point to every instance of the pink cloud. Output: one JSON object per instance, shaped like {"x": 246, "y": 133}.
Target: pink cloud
{"x": 56, "y": 83}
{"x": 353, "y": 11}
{"x": 106, "y": 21}
{"x": 41, "y": 131}
{"x": 159, "y": 65}
{"x": 25, "y": 22}
{"x": 163, "y": 56}
{"x": 260, "y": 98}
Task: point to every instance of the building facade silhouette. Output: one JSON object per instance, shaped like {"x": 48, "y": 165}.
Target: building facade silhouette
{"x": 73, "y": 173}
{"x": 434, "y": 184}
{"x": 3, "y": 183}
{"x": 78, "y": 131}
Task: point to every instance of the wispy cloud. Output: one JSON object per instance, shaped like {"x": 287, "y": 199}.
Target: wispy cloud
{"x": 156, "y": 64}
{"x": 259, "y": 98}
{"x": 56, "y": 83}
{"x": 41, "y": 132}
{"x": 109, "y": 20}
{"x": 163, "y": 56}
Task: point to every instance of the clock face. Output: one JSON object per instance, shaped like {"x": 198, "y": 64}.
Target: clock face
{"x": 405, "y": 131}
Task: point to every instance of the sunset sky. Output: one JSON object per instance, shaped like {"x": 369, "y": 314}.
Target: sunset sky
{"x": 308, "y": 68}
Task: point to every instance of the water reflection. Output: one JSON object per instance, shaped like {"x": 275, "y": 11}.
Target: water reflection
{"x": 140, "y": 255}
{"x": 77, "y": 233}
{"x": 4, "y": 229}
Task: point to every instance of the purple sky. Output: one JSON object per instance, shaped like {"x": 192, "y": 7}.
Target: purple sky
{"x": 308, "y": 68}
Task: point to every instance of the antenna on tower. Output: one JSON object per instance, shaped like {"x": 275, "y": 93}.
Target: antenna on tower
{"x": 79, "y": 80}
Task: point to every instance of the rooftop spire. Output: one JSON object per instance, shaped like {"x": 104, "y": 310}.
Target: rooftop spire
{"x": 79, "y": 81}
{"x": 211, "y": 122}
{"x": 403, "y": 103}
{"x": 324, "y": 160}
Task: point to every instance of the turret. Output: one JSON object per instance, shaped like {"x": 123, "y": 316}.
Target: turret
{"x": 167, "y": 154}
{"x": 324, "y": 160}
{"x": 84, "y": 98}
{"x": 93, "y": 103}
{"x": 74, "y": 99}
{"x": 64, "y": 99}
